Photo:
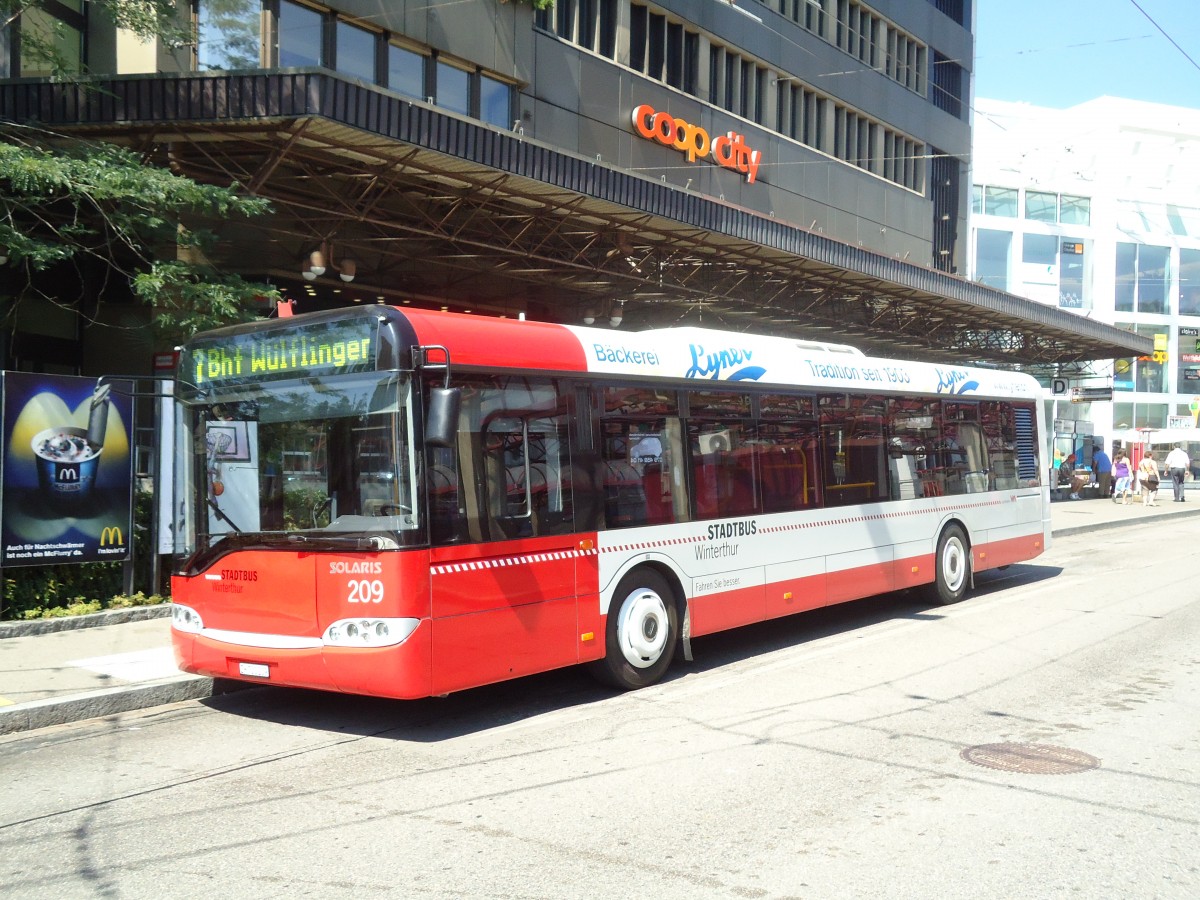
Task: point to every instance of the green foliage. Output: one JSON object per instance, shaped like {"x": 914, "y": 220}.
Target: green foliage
{"x": 127, "y": 601}
{"x": 304, "y": 508}
{"x": 35, "y": 592}
{"x": 40, "y": 592}
{"x": 63, "y": 199}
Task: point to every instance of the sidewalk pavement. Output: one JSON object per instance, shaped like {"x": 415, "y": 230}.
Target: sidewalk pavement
{"x": 55, "y": 671}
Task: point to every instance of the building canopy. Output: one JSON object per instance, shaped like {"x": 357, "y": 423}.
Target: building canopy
{"x": 434, "y": 208}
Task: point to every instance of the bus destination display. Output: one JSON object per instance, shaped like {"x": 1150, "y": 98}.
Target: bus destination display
{"x": 318, "y": 348}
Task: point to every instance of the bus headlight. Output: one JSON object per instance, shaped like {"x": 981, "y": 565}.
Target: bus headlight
{"x": 369, "y": 632}
{"x": 186, "y": 619}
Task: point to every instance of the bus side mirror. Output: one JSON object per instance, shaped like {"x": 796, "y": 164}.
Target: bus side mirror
{"x": 441, "y": 423}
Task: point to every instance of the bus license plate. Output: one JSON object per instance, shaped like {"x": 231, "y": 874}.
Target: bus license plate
{"x": 254, "y": 670}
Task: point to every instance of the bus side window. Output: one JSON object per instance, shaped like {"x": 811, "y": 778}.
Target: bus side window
{"x": 1000, "y": 433}
{"x": 513, "y": 473}
{"x": 787, "y": 466}
{"x": 852, "y": 445}
{"x": 914, "y": 430}
{"x": 964, "y": 453}
{"x": 640, "y": 472}
{"x": 723, "y": 469}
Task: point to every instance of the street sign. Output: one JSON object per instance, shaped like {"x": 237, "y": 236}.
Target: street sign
{"x": 1086, "y": 394}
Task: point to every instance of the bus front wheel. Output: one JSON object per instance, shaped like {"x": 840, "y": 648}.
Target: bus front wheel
{"x": 642, "y": 630}
{"x": 952, "y": 566}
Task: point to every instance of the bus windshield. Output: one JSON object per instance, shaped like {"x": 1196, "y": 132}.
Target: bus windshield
{"x": 323, "y": 459}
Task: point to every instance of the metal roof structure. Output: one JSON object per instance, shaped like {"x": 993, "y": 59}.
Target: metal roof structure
{"x": 446, "y": 210}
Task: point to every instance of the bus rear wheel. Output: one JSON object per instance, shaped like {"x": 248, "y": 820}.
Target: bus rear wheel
{"x": 642, "y": 631}
{"x": 952, "y": 566}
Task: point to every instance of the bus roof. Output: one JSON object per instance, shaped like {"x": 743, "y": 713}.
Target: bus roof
{"x": 381, "y": 337}
{"x": 691, "y": 353}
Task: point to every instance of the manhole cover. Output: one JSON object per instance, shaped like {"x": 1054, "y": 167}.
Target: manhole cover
{"x": 1030, "y": 759}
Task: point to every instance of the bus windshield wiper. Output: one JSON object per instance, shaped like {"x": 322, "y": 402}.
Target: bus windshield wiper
{"x": 337, "y": 540}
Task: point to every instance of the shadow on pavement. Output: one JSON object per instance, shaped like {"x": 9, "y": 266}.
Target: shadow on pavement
{"x": 480, "y": 709}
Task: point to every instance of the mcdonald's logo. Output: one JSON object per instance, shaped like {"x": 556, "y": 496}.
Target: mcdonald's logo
{"x": 68, "y": 473}
{"x": 112, "y": 535}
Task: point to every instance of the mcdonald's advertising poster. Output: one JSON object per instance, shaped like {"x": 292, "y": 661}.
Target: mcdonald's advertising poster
{"x": 66, "y": 487}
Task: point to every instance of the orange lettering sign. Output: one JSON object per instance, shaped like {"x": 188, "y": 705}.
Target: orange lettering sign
{"x": 729, "y": 150}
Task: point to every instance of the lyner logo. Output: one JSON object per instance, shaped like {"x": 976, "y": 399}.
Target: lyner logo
{"x": 112, "y": 535}
{"x": 711, "y": 365}
{"x": 954, "y": 381}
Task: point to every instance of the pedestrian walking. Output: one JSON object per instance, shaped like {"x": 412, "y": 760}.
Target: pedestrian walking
{"x": 1177, "y": 466}
{"x": 1148, "y": 479}
{"x": 1102, "y": 466}
{"x": 1124, "y": 475}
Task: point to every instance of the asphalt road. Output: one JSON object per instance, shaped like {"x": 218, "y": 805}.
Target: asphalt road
{"x": 840, "y": 754}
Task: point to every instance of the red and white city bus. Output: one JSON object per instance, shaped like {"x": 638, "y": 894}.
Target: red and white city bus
{"x": 405, "y": 503}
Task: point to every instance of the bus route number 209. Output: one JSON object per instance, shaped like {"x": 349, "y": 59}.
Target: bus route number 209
{"x": 365, "y": 591}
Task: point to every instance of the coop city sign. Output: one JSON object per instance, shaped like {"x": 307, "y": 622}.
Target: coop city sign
{"x": 729, "y": 150}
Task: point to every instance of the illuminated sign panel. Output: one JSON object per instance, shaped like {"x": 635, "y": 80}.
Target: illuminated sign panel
{"x": 292, "y": 351}
{"x": 728, "y": 151}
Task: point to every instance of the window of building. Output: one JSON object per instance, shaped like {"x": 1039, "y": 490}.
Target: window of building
{"x": 1041, "y": 206}
{"x": 1140, "y": 373}
{"x": 229, "y": 34}
{"x": 356, "y": 51}
{"x": 1039, "y": 268}
{"x": 993, "y": 250}
{"x": 1126, "y": 277}
{"x": 663, "y": 49}
{"x": 51, "y": 39}
{"x": 1075, "y": 210}
{"x": 300, "y": 33}
{"x": 591, "y": 24}
{"x": 406, "y": 71}
{"x": 1152, "y": 274}
{"x": 1188, "y": 352}
{"x": 1139, "y": 415}
{"x": 946, "y": 85}
{"x": 998, "y": 201}
{"x": 495, "y": 101}
{"x": 453, "y": 88}
{"x": 1189, "y": 282}
{"x": 1071, "y": 281}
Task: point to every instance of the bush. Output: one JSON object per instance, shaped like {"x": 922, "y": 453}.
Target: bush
{"x": 37, "y": 592}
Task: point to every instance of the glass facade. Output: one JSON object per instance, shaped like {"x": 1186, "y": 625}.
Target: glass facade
{"x": 229, "y": 35}
{"x": 406, "y": 71}
{"x": 453, "y": 88}
{"x": 356, "y": 51}
{"x": 300, "y": 33}
{"x": 993, "y": 250}
{"x": 48, "y": 40}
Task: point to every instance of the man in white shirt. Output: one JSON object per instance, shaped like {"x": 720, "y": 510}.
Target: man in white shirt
{"x": 1177, "y": 466}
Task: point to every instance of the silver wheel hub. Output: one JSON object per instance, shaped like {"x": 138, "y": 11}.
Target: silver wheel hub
{"x": 642, "y": 628}
{"x": 954, "y": 565}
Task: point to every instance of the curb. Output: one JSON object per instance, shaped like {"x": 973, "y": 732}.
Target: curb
{"x": 1124, "y": 523}
{"x": 110, "y": 701}
{"x": 27, "y": 627}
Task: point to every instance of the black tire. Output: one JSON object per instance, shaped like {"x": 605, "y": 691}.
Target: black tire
{"x": 642, "y": 631}
{"x": 952, "y": 567}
